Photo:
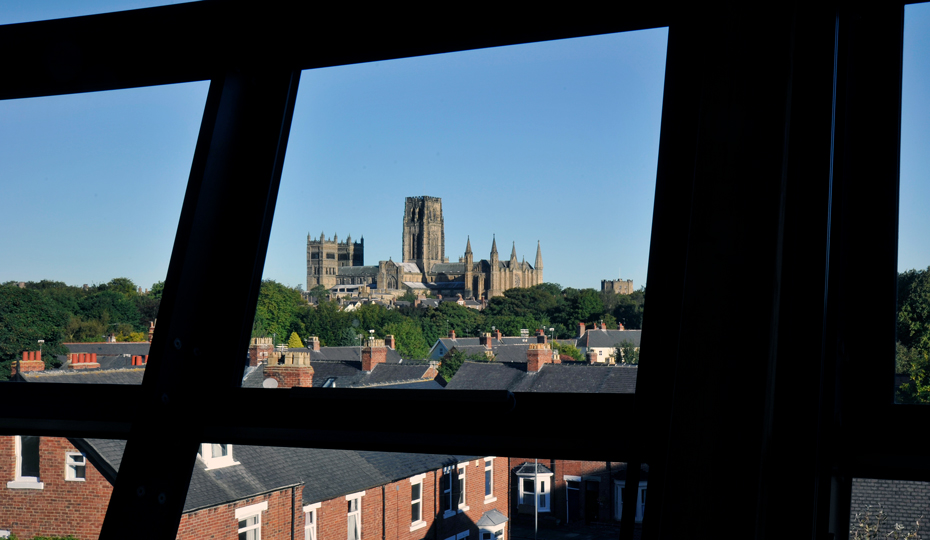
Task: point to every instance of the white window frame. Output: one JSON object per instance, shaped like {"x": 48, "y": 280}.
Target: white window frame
{"x": 310, "y": 521}
{"x": 71, "y": 465}
{"x": 357, "y": 513}
{"x": 206, "y": 455}
{"x": 460, "y": 476}
{"x": 490, "y": 533}
{"x": 446, "y": 494}
{"x": 489, "y": 468}
{"x": 640, "y": 500}
{"x": 543, "y": 486}
{"x": 247, "y": 512}
{"x": 418, "y": 523}
{"x": 24, "y": 482}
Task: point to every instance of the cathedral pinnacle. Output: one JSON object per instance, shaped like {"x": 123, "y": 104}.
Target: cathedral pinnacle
{"x": 494, "y": 244}
{"x": 513, "y": 252}
{"x": 539, "y": 263}
{"x": 468, "y": 245}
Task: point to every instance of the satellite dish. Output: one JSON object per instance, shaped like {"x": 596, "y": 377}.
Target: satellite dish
{"x": 270, "y": 383}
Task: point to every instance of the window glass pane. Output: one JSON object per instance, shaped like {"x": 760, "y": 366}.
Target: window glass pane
{"x": 19, "y": 12}
{"x": 415, "y": 512}
{"x": 912, "y": 363}
{"x": 30, "y": 456}
{"x": 462, "y": 148}
{"x": 93, "y": 184}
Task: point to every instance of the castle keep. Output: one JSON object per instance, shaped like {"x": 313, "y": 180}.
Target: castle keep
{"x": 425, "y": 268}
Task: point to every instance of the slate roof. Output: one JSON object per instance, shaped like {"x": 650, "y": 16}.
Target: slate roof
{"x": 446, "y": 344}
{"x": 492, "y": 518}
{"x": 86, "y": 376}
{"x": 409, "y": 267}
{"x": 502, "y": 353}
{"x": 325, "y": 474}
{"x": 609, "y": 338}
{"x": 350, "y": 375}
{"x": 448, "y": 268}
{"x": 358, "y": 271}
{"x": 903, "y": 501}
{"x": 582, "y": 378}
{"x": 442, "y": 285}
{"x": 344, "y": 354}
{"x": 110, "y": 349}
{"x": 532, "y": 468}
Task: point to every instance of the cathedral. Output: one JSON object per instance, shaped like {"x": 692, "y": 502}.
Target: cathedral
{"x": 424, "y": 267}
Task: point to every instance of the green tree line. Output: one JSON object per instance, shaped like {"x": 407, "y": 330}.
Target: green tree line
{"x": 912, "y": 351}
{"x": 281, "y": 311}
{"x": 59, "y": 313}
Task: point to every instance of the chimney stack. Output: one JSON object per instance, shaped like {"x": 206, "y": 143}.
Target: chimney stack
{"x": 451, "y": 334}
{"x": 537, "y": 355}
{"x": 389, "y": 341}
{"x": 620, "y": 326}
{"x": 372, "y": 355}
{"x": 592, "y": 357}
{"x": 497, "y": 334}
{"x": 485, "y": 340}
{"x": 290, "y": 369}
{"x": 313, "y": 343}
{"x": 32, "y": 361}
{"x": 259, "y": 350}
{"x": 580, "y": 329}
{"x": 603, "y": 326}
{"x": 140, "y": 360}
{"x": 152, "y": 329}
{"x": 85, "y": 360}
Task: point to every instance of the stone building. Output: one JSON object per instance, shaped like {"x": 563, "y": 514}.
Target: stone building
{"x": 326, "y": 257}
{"x": 618, "y": 286}
{"x": 424, "y": 266}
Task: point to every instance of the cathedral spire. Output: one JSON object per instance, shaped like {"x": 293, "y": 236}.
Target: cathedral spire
{"x": 539, "y": 264}
{"x": 513, "y": 252}
{"x": 322, "y": 236}
{"x": 494, "y": 245}
{"x": 468, "y": 246}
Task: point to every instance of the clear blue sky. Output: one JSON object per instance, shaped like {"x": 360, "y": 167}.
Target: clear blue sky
{"x": 555, "y": 142}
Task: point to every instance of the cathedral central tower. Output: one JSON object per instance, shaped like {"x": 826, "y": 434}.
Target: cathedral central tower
{"x": 424, "y": 232}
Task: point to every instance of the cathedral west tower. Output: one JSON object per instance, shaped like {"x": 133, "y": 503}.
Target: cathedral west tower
{"x": 424, "y": 232}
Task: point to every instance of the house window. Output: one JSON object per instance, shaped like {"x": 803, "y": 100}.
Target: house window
{"x": 27, "y": 463}
{"x": 535, "y": 487}
{"x": 416, "y": 502}
{"x": 640, "y": 501}
{"x": 354, "y": 528}
{"x": 250, "y": 521}
{"x": 215, "y": 455}
{"x": 493, "y": 533}
{"x": 460, "y": 486}
{"x": 446, "y": 495}
{"x": 489, "y": 480}
{"x": 310, "y": 521}
{"x": 75, "y": 466}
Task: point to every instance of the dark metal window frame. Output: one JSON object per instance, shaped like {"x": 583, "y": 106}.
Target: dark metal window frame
{"x": 780, "y": 128}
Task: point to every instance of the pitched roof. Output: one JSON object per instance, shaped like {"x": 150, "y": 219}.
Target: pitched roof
{"x": 350, "y": 375}
{"x": 448, "y": 268}
{"x": 362, "y": 271}
{"x": 325, "y": 474}
{"x": 532, "y": 468}
{"x": 491, "y": 518}
{"x": 609, "y": 338}
{"x": 582, "y": 378}
{"x": 111, "y": 349}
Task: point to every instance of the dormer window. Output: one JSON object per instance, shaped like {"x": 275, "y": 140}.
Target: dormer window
{"x": 216, "y": 455}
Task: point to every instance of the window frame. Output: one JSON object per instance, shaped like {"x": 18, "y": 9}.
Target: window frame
{"x": 311, "y": 518}
{"x": 418, "y": 523}
{"x": 20, "y": 481}
{"x": 866, "y": 129}
{"x": 542, "y": 485}
{"x": 71, "y": 467}
{"x": 206, "y": 455}
{"x": 355, "y": 498}
{"x": 489, "y": 496}
{"x": 248, "y": 512}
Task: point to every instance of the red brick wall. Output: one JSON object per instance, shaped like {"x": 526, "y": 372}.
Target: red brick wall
{"x": 219, "y": 522}
{"x": 290, "y": 376}
{"x": 63, "y": 507}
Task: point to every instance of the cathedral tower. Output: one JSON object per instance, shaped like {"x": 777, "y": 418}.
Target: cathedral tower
{"x": 424, "y": 232}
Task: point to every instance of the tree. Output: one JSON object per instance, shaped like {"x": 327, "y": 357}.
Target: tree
{"x": 318, "y": 292}
{"x": 567, "y": 349}
{"x": 914, "y": 309}
{"x": 277, "y": 307}
{"x": 26, "y": 316}
{"x": 294, "y": 341}
{"x": 627, "y": 353}
{"x": 158, "y": 288}
{"x": 409, "y": 339}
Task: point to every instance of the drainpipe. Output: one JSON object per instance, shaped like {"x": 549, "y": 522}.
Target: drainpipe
{"x": 536, "y": 502}
{"x": 293, "y": 510}
{"x": 383, "y": 524}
